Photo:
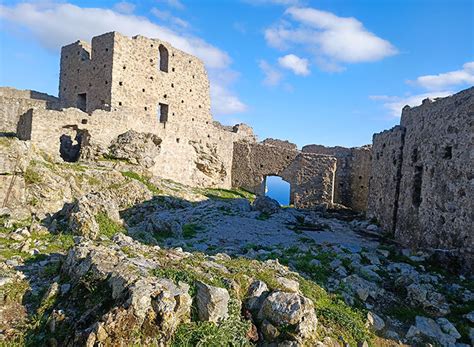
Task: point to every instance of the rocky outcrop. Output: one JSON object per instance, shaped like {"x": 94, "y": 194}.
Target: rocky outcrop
{"x": 143, "y": 308}
{"x": 266, "y": 205}
{"x": 207, "y": 160}
{"x": 211, "y": 302}
{"x": 136, "y": 148}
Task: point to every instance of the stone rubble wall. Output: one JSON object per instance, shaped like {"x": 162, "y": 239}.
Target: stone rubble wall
{"x": 199, "y": 156}
{"x": 352, "y": 173}
{"x": 384, "y": 183}
{"x": 436, "y": 205}
{"x": 311, "y": 177}
{"x": 433, "y": 207}
{"x": 14, "y": 103}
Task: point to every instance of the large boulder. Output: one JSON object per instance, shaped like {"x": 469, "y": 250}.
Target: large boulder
{"x": 137, "y": 148}
{"x": 427, "y": 330}
{"x": 291, "y": 313}
{"x": 266, "y": 205}
{"x": 212, "y": 302}
{"x": 82, "y": 214}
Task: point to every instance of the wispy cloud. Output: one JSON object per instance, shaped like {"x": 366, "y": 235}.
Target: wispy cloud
{"x": 177, "y": 4}
{"x": 436, "y": 86}
{"x": 299, "y": 66}
{"x": 464, "y": 76}
{"x": 394, "y": 104}
{"x": 333, "y": 40}
{"x": 166, "y": 16}
{"x": 274, "y": 2}
{"x": 272, "y": 77}
{"x": 57, "y": 23}
{"x": 124, "y": 7}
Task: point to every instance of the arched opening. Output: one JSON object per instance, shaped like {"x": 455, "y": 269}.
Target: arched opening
{"x": 163, "y": 58}
{"x": 278, "y": 189}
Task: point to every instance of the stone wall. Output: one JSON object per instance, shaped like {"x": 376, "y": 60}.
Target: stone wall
{"x": 311, "y": 176}
{"x": 387, "y": 148}
{"x": 121, "y": 73}
{"x": 436, "y": 205}
{"x": 352, "y": 173}
{"x": 200, "y": 155}
{"x": 14, "y": 103}
{"x": 435, "y": 175}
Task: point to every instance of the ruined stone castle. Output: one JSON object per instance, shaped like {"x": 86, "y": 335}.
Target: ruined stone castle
{"x": 416, "y": 179}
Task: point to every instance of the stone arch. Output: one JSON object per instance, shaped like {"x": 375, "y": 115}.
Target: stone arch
{"x": 276, "y": 187}
{"x": 164, "y": 56}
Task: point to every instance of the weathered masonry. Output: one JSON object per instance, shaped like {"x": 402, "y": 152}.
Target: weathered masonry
{"x": 422, "y": 180}
{"x": 138, "y": 74}
{"x": 311, "y": 176}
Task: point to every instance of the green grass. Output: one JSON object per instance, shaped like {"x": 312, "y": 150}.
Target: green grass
{"x": 107, "y": 226}
{"x": 31, "y": 176}
{"x": 239, "y": 193}
{"x": 264, "y": 216}
{"x": 144, "y": 180}
{"x": 191, "y": 230}
{"x": 231, "y": 332}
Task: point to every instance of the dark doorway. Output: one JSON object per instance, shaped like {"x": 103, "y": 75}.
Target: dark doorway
{"x": 69, "y": 149}
{"x": 278, "y": 189}
{"x": 82, "y": 101}
{"x": 163, "y": 113}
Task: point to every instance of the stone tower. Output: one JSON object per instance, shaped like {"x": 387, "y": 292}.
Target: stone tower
{"x": 140, "y": 75}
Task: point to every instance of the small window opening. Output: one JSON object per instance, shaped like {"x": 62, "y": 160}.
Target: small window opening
{"x": 120, "y": 83}
{"x": 143, "y": 90}
{"x": 172, "y": 69}
{"x": 163, "y": 53}
{"x": 177, "y": 140}
{"x": 165, "y": 96}
{"x": 448, "y": 152}
{"x": 84, "y": 121}
{"x": 146, "y": 108}
{"x": 124, "y": 67}
{"x": 417, "y": 183}
{"x": 120, "y": 103}
{"x": 81, "y": 102}
{"x": 172, "y": 85}
{"x": 106, "y": 82}
{"x": 163, "y": 113}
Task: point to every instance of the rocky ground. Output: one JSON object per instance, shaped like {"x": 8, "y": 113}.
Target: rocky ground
{"x": 101, "y": 254}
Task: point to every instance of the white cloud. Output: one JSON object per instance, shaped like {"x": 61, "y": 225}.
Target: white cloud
{"x": 299, "y": 66}
{"x": 124, "y": 7}
{"x": 447, "y": 79}
{"x": 166, "y": 16}
{"x": 55, "y": 24}
{"x": 173, "y": 3}
{"x": 332, "y": 39}
{"x": 274, "y": 2}
{"x": 272, "y": 76}
{"x": 394, "y": 104}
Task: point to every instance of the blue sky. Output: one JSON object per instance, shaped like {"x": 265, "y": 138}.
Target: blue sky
{"x": 326, "y": 72}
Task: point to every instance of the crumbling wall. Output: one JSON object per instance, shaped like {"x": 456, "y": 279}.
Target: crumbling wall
{"x": 14, "y": 103}
{"x": 199, "y": 156}
{"x": 311, "y": 176}
{"x": 129, "y": 74}
{"x": 422, "y": 177}
{"x": 436, "y": 189}
{"x": 352, "y": 173}
{"x": 384, "y": 184}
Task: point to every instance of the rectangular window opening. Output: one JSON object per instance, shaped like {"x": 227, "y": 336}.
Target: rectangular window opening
{"x": 82, "y": 101}
{"x": 163, "y": 113}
